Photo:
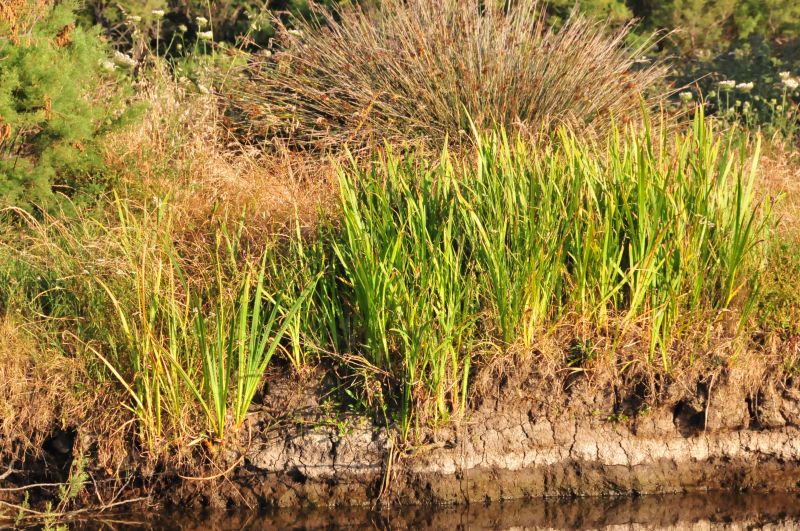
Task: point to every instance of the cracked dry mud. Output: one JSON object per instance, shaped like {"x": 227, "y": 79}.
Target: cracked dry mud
{"x": 511, "y": 448}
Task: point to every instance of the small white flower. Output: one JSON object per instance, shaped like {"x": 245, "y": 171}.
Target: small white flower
{"x": 727, "y": 84}
{"x": 158, "y": 13}
{"x": 745, "y": 87}
{"x": 205, "y": 35}
{"x": 182, "y": 28}
{"x": 785, "y": 75}
{"x": 791, "y": 84}
{"x": 202, "y": 22}
{"x": 108, "y": 65}
{"x": 120, "y": 272}
{"x": 254, "y": 26}
{"x": 685, "y": 96}
{"x": 123, "y": 60}
{"x": 134, "y": 19}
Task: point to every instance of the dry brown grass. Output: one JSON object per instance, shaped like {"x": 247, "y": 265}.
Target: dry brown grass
{"x": 182, "y": 150}
{"x": 17, "y": 17}
{"x": 37, "y": 390}
{"x": 780, "y": 177}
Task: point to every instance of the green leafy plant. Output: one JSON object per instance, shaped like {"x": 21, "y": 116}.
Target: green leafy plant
{"x": 192, "y": 352}
{"x": 402, "y": 256}
{"x": 655, "y": 229}
{"x": 57, "y": 100}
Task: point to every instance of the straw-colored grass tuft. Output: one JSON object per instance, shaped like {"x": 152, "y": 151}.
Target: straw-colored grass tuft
{"x": 420, "y": 70}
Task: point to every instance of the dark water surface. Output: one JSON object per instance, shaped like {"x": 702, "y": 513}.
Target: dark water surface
{"x": 696, "y": 512}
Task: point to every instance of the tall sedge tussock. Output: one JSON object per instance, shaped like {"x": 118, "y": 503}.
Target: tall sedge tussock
{"x": 417, "y": 70}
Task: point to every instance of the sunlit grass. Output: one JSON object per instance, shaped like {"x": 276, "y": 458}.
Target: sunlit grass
{"x": 428, "y": 269}
{"x": 660, "y": 230}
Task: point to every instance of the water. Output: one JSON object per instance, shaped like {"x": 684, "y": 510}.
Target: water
{"x": 695, "y": 512}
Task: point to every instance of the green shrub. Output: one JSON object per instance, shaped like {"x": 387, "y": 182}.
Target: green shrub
{"x": 247, "y": 23}
{"x": 57, "y": 99}
{"x": 614, "y": 11}
{"x": 421, "y": 69}
{"x": 712, "y": 25}
{"x": 747, "y": 86}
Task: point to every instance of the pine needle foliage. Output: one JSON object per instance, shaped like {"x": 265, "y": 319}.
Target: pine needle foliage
{"x": 56, "y": 102}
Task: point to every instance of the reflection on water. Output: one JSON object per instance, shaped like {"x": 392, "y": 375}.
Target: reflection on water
{"x": 697, "y": 512}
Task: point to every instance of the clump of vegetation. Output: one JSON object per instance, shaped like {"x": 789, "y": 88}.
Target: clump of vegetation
{"x": 57, "y": 100}
{"x": 553, "y": 224}
{"x": 770, "y": 104}
{"x": 427, "y": 264}
{"x": 658, "y": 231}
{"x": 420, "y": 70}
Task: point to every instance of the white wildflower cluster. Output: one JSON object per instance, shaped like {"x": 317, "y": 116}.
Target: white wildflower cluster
{"x": 789, "y": 82}
{"x": 685, "y": 96}
{"x": 202, "y": 22}
{"x": 158, "y": 13}
{"x": 745, "y": 87}
{"x": 123, "y": 60}
{"x": 728, "y": 84}
{"x": 205, "y": 35}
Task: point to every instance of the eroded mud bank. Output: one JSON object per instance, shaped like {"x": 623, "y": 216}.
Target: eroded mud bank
{"x": 512, "y": 447}
{"x": 523, "y": 438}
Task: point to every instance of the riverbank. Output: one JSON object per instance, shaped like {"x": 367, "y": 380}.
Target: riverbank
{"x": 584, "y": 441}
{"x": 268, "y": 286}
{"x": 583, "y": 434}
